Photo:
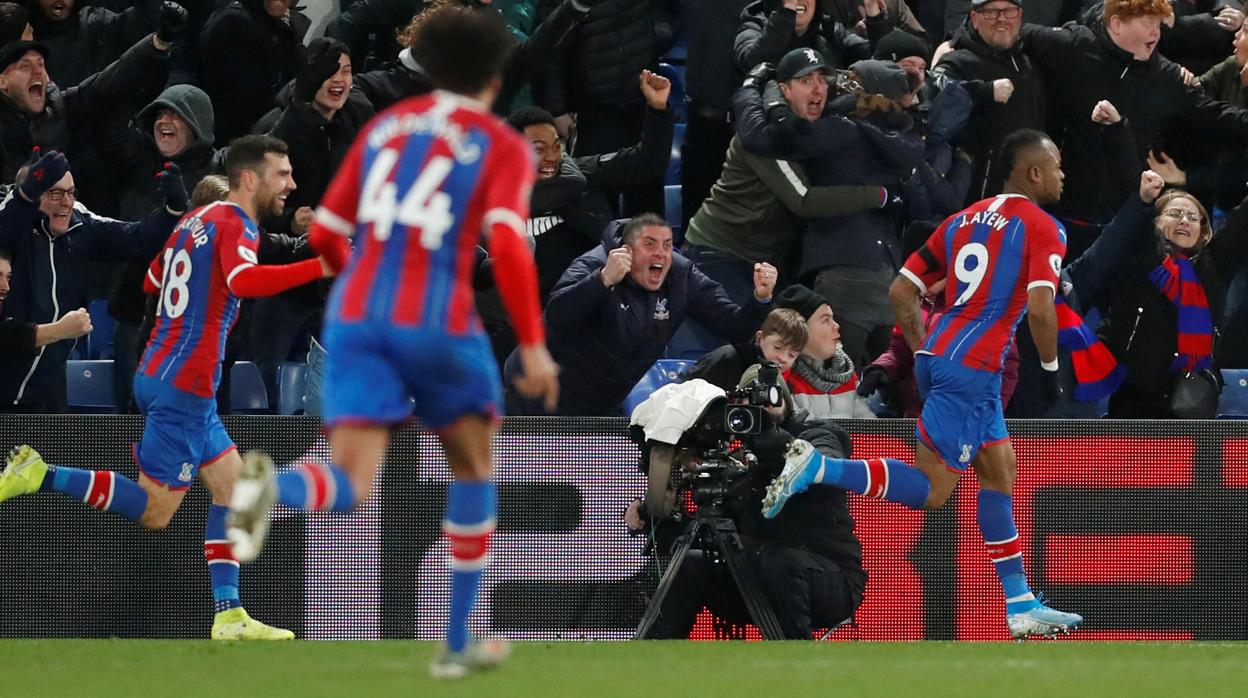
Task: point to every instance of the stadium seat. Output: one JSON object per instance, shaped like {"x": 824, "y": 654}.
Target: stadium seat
{"x": 676, "y": 100}
{"x": 663, "y": 371}
{"x": 247, "y": 393}
{"x": 291, "y": 378}
{"x": 673, "y": 164}
{"x": 1233, "y": 404}
{"x": 672, "y": 212}
{"x": 100, "y": 341}
{"x": 677, "y": 54}
{"x": 90, "y": 385}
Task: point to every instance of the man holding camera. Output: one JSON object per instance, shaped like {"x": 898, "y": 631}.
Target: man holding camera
{"x": 807, "y": 561}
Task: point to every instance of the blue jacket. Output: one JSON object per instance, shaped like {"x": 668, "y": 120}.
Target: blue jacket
{"x": 604, "y": 339}
{"x": 49, "y": 280}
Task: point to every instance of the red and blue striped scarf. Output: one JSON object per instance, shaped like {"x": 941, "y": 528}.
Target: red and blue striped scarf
{"x": 1097, "y": 373}
{"x": 1176, "y": 279}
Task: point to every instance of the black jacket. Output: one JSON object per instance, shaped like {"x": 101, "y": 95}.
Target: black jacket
{"x": 711, "y": 28}
{"x": 17, "y": 338}
{"x": 68, "y": 114}
{"x": 837, "y": 150}
{"x": 91, "y": 38}
{"x": 247, "y": 57}
{"x": 51, "y": 281}
{"x": 605, "y": 339}
{"x": 598, "y": 64}
{"x": 767, "y": 32}
{"x": 1081, "y": 66}
{"x": 980, "y": 64}
{"x": 1140, "y": 324}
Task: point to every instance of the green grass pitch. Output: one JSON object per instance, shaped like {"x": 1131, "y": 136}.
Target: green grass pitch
{"x": 143, "y": 668}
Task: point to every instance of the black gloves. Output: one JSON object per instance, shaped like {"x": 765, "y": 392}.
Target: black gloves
{"x": 319, "y": 65}
{"x": 1051, "y": 382}
{"x": 775, "y": 105}
{"x": 759, "y": 75}
{"x": 873, "y": 377}
{"x": 169, "y": 184}
{"x": 172, "y": 21}
{"x": 43, "y": 174}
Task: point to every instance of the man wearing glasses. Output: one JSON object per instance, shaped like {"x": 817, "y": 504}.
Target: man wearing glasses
{"x": 1007, "y": 89}
{"x": 54, "y": 238}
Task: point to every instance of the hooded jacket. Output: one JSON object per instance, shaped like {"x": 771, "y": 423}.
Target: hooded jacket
{"x": 91, "y": 37}
{"x": 979, "y": 64}
{"x": 605, "y": 339}
{"x": 129, "y": 149}
{"x": 50, "y": 280}
{"x": 247, "y": 57}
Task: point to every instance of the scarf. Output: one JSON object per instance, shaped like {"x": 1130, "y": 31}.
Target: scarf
{"x": 825, "y": 378}
{"x": 1097, "y": 373}
{"x": 1176, "y": 279}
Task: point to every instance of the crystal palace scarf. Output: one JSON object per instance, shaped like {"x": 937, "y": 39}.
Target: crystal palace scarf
{"x": 1176, "y": 279}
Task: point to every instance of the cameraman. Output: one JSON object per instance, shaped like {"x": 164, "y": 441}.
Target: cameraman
{"x": 807, "y": 561}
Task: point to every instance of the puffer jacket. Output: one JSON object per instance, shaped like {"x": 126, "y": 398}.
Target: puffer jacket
{"x": 91, "y": 38}
{"x": 600, "y": 61}
{"x": 247, "y": 57}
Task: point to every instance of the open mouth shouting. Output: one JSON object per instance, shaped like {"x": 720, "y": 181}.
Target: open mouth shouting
{"x": 59, "y": 10}
{"x": 654, "y": 273}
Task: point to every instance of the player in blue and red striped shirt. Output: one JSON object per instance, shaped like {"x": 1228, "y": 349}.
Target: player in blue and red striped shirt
{"x": 421, "y": 184}
{"x": 999, "y": 257}
{"x": 206, "y": 266}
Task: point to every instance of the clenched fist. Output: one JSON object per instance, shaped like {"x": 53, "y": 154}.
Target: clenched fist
{"x": 619, "y": 263}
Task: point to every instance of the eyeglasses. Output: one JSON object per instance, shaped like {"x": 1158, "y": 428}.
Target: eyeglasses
{"x": 58, "y": 194}
{"x": 1006, "y": 12}
{"x": 1178, "y": 215}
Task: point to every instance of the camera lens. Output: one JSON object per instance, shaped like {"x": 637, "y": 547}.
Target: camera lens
{"x": 739, "y": 421}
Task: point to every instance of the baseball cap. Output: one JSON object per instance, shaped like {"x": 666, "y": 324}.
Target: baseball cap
{"x": 13, "y": 51}
{"x": 799, "y": 62}
{"x": 882, "y": 77}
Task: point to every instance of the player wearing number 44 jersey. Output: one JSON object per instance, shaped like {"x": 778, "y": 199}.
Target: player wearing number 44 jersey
{"x": 1000, "y": 256}
{"x": 423, "y": 181}
{"x": 207, "y": 265}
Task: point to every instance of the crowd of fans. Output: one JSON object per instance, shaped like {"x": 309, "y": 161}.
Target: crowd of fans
{"x": 819, "y": 142}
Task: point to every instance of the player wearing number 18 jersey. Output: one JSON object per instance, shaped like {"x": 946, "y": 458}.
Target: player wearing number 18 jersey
{"x": 207, "y": 264}
{"x": 998, "y": 257}
{"x": 421, "y": 184}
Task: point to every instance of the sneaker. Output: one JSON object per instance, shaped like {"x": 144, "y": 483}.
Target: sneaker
{"x": 23, "y": 472}
{"x": 235, "y": 624}
{"x": 1041, "y": 621}
{"x": 247, "y": 524}
{"x": 478, "y": 655}
{"x": 800, "y": 468}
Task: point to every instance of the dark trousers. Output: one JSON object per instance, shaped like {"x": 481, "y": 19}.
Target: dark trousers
{"x": 807, "y": 592}
{"x": 701, "y": 161}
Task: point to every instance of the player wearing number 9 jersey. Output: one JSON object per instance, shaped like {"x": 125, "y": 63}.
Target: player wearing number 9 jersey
{"x": 999, "y": 257}
{"x": 207, "y": 264}
{"x": 420, "y": 186}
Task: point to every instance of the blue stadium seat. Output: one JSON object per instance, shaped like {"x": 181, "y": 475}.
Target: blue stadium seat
{"x": 676, "y": 100}
{"x": 673, "y": 164}
{"x": 672, "y": 212}
{"x": 1234, "y": 401}
{"x": 100, "y": 341}
{"x": 291, "y": 378}
{"x": 247, "y": 393}
{"x": 90, "y": 385}
{"x": 678, "y": 53}
{"x": 663, "y": 371}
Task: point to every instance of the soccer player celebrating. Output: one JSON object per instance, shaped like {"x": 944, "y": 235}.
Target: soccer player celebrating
{"x": 1000, "y": 256}
{"x": 422, "y": 182}
{"x": 207, "y": 265}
